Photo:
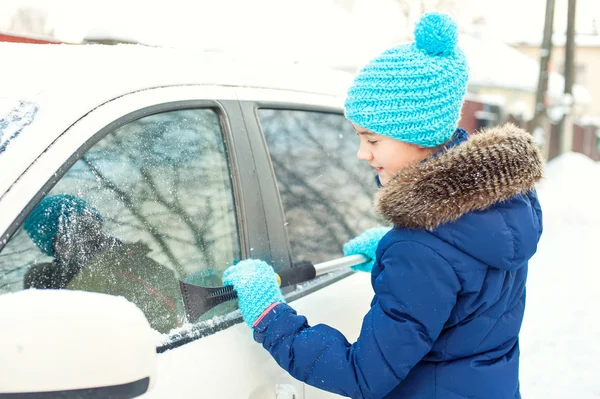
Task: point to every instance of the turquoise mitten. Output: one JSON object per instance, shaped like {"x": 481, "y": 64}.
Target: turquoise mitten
{"x": 365, "y": 244}
{"x": 256, "y": 285}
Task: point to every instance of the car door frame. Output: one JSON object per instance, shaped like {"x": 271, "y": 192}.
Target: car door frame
{"x": 50, "y": 166}
{"x": 251, "y": 100}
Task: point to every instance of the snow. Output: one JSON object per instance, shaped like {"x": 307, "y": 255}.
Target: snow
{"x": 196, "y": 330}
{"x": 571, "y": 191}
{"x": 559, "y": 340}
{"x": 69, "y": 301}
{"x": 14, "y": 117}
{"x": 68, "y": 69}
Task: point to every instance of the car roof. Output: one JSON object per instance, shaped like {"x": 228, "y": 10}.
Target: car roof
{"x": 29, "y": 69}
{"x": 60, "y": 83}
{"x": 66, "y": 81}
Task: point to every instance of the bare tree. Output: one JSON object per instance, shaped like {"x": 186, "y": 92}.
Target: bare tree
{"x": 160, "y": 180}
{"x": 326, "y": 193}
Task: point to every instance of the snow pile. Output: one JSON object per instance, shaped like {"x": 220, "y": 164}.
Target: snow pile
{"x": 559, "y": 340}
{"x": 570, "y": 192}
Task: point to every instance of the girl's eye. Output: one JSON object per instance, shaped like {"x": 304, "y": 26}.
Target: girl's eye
{"x": 372, "y": 141}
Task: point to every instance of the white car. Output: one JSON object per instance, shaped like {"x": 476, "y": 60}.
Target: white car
{"x": 201, "y": 160}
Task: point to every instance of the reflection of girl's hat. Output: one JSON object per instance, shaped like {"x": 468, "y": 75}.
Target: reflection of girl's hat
{"x": 44, "y": 221}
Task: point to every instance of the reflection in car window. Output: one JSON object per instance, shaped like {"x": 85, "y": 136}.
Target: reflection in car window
{"x": 327, "y": 193}
{"x": 148, "y": 205}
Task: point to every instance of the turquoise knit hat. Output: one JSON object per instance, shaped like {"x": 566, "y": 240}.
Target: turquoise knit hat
{"x": 413, "y": 92}
{"x": 43, "y": 222}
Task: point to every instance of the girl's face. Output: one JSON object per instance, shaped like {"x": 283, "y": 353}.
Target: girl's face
{"x": 387, "y": 155}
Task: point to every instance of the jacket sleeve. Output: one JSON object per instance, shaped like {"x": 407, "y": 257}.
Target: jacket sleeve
{"x": 416, "y": 292}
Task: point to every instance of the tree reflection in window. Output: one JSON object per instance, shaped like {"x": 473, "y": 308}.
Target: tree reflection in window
{"x": 327, "y": 193}
{"x": 162, "y": 181}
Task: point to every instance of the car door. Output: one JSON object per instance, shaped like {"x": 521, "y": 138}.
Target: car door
{"x": 168, "y": 175}
{"x": 326, "y": 197}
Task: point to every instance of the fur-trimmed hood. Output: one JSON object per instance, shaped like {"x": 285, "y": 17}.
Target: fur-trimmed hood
{"x": 492, "y": 166}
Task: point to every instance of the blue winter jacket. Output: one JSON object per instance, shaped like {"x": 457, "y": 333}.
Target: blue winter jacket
{"x": 449, "y": 282}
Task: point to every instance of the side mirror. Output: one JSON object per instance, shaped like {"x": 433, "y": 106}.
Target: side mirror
{"x": 74, "y": 344}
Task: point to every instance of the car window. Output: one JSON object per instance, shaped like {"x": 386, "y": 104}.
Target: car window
{"x": 148, "y": 205}
{"x": 327, "y": 194}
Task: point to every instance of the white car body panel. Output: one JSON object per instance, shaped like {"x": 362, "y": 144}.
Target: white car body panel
{"x": 230, "y": 364}
{"x": 73, "y": 107}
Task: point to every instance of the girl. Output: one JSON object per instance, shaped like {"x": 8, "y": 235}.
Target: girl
{"x": 449, "y": 277}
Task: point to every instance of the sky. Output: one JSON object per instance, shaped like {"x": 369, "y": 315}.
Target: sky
{"x": 207, "y": 23}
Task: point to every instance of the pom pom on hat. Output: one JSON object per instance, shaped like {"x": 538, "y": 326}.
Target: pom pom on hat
{"x": 436, "y": 34}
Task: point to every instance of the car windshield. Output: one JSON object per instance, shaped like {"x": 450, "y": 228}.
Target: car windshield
{"x": 15, "y": 116}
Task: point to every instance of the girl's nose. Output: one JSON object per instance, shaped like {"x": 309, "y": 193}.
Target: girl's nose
{"x": 364, "y": 154}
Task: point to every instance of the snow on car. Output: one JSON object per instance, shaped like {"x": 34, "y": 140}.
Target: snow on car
{"x": 158, "y": 166}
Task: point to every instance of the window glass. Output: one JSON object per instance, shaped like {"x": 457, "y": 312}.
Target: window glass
{"x": 148, "y": 205}
{"x": 327, "y": 193}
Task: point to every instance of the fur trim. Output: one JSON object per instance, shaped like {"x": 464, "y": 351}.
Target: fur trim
{"x": 492, "y": 166}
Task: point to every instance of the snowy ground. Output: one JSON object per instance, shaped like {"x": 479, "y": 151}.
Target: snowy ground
{"x": 560, "y": 339}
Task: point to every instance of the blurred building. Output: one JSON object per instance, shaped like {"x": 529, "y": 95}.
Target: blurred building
{"x": 499, "y": 70}
{"x": 587, "y": 64}
{"x": 586, "y": 131}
